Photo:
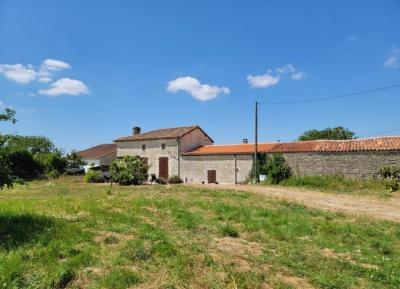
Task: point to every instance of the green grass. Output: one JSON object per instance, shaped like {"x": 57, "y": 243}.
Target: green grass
{"x": 337, "y": 184}
{"x": 69, "y": 234}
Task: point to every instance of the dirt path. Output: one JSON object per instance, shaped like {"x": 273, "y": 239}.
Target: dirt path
{"x": 388, "y": 209}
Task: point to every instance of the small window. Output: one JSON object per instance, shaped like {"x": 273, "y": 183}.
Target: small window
{"x": 163, "y": 146}
{"x": 143, "y": 147}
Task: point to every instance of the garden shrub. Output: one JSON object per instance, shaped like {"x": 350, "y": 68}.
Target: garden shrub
{"x": 161, "y": 181}
{"x": 129, "y": 171}
{"x": 92, "y": 176}
{"x": 175, "y": 180}
{"x": 275, "y": 168}
{"x": 391, "y": 176}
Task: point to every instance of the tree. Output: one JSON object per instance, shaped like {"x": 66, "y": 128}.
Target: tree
{"x": 74, "y": 161}
{"x": 275, "y": 168}
{"x": 33, "y": 144}
{"x": 335, "y": 133}
{"x": 129, "y": 171}
{"x": 8, "y": 115}
{"x": 6, "y": 176}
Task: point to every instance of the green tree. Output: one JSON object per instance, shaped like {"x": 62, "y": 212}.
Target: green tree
{"x": 129, "y": 171}
{"x": 335, "y": 133}
{"x": 275, "y": 168}
{"x": 74, "y": 160}
{"x": 6, "y": 176}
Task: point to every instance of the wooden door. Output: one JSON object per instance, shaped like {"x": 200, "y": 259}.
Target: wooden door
{"x": 163, "y": 167}
{"x": 212, "y": 176}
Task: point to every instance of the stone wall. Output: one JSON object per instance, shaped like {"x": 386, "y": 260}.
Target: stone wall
{"x": 194, "y": 168}
{"x": 153, "y": 152}
{"x": 356, "y": 165}
{"x": 194, "y": 139}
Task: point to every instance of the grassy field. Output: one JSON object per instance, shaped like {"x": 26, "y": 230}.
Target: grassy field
{"x": 68, "y": 234}
{"x": 338, "y": 184}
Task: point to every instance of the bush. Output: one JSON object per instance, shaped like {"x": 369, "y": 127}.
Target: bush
{"x": 175, "y": 180}
{"x": 391, "y": 176}
{"x": 161, "y": 181}
{"x": 24, "y": 166}
{"x": 53, "y": 174}
{"x": 93, "y": 177}
{"x": 275, "y": 168}
{"x": 129, "y": 171}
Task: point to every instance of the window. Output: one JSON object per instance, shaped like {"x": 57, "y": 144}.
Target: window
{"x": 163, "y": 146}
{"x": 143, "y": 147}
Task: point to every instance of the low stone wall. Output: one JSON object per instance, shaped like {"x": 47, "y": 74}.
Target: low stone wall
{"x": 356, "y": 165}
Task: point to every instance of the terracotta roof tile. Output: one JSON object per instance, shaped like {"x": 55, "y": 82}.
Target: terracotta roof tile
{"x": 370, "y": 144}
{"x": 97, "y": 151}
{"x": 165, "y": 133}
{"x": 230, "y": 149}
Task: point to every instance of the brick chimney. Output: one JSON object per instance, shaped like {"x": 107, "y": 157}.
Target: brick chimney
{"x": 136, "y": 130}
{"x": 245, "y": 141}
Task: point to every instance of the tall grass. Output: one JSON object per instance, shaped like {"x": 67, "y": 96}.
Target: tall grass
{"x": 337, "y": 184}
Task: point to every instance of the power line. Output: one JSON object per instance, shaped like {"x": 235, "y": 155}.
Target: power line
{"x": 380, "y": 132}
{"x": 331, "y": 97}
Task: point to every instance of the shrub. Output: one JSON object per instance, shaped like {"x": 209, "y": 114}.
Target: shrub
{"x": 93, "y": 177}
{"x": 24, "y": 166}
{"x": 275, "y": 168}
{"x": 391, "y": 176}
{"x": 53, "y": 174}
{"x": 175, "y": 180}
{"x": 129, "y": 171}
{"x": 161, "y": 181}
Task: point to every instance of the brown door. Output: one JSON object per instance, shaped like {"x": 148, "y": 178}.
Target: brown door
{"x": 212, "y": 176}
{"x": 163, "y": 167}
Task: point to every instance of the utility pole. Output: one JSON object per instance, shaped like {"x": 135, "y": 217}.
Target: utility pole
{"x": 256, "y": 177}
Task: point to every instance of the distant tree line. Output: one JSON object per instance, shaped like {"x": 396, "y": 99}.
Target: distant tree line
{"x": 24, "y": 158}
{"x": 335, "y": 133}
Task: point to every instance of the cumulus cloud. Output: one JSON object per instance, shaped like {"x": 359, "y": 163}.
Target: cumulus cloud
{"x": 65, "y": 86}
{"x": 393, "y": 61}
{"x": 191, "y": 85}
{"x": 24, "y": 74}
{"x": 273, "y": 77}
{"x": 54, "y": 65}
{"x": 264, "y": 80}
{"x": 17, "y": 72}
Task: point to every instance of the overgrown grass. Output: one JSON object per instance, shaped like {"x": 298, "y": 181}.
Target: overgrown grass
{"x": 69, "y": 234}
{"x": 337, "y": 184}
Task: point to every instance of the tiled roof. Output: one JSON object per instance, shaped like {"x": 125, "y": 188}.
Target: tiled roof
{"x": 97, "y": 151}
{"x": 370, "y": 144}
{"x": 367, "y": 144}
{"x": 165, "y": 133}
{"x": 238, "y": 149}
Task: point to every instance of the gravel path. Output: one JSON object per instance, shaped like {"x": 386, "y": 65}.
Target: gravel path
{"x": 382, "y": 208}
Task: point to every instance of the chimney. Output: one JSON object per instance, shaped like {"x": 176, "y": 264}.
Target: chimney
{"x": 136, "y": 130}
{"x": 245, "y": 141}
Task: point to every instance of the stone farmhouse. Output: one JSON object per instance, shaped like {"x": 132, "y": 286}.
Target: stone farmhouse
{"x": 190, "y": 153}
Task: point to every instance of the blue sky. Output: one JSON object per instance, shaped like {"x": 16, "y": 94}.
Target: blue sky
{"x": 86, "y": 72}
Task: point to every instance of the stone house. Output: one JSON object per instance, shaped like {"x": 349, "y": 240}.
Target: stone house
{"x": 162, "y": 149}
{"x": 191, "y": 154}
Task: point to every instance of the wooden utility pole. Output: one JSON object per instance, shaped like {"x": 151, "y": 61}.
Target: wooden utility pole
{"x": 256, "y": 176}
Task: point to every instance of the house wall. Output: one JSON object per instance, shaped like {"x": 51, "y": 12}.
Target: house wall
{"x": 356, "y": 165}
{"x": 194, "y": 168}
{"x": 193, "y": 140}
{"x": 152, "y": 153}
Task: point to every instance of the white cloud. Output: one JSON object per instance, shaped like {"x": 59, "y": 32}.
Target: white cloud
{"x": 25, "y": 74}
{"x": 18, "y": 73}
{"x": 269, "y": 78}
{"x": 298, "y": 75}
{"x": 54, "y": 65}
{"x": 264, "y": 80}
{"x": 191, "y": 85}
{"x": 65, "y": 86}
{"x": 393, "y": 60}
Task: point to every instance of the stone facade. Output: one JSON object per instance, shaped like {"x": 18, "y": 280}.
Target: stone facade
{"x": 356, "y": 165}
{"x": 229, "y": 169}
{"x": 154, "y": 150}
